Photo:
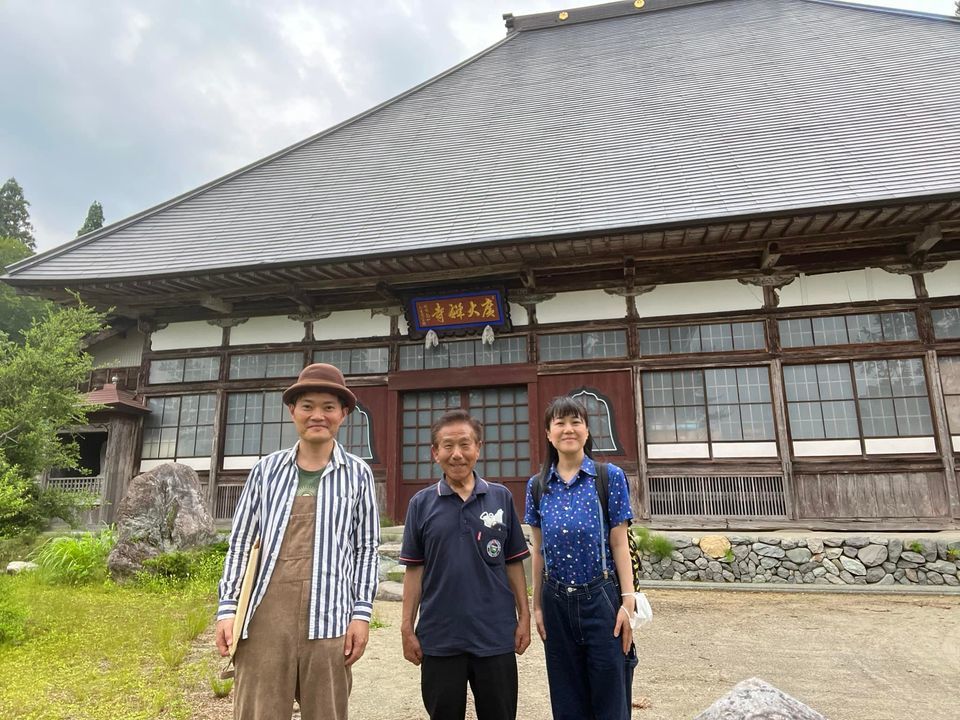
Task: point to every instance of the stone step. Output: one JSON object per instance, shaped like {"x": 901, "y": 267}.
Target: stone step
{"x": 395, "y": 574}
{"x": 390, "y": 590}
{"x": 393, "y": 533}
{"x": 390, "y": 550}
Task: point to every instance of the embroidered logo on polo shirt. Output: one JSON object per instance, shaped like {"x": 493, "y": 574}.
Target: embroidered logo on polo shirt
{"x": 492, "y": 519}
{"x": 494, "y": 548}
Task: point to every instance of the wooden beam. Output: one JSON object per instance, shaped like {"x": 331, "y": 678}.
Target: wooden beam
{"x": 771, "y": 255}
{"x": 216, "y": 304}
{"x": 925, "y": 240}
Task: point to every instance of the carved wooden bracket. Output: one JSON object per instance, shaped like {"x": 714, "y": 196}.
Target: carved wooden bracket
{"x": 771, "y": 280}
{"x": 226, "y": 322}
{"x": 309, "y": 316}
{"x": 627, "y": 291}
{"x": 910, "y": 268}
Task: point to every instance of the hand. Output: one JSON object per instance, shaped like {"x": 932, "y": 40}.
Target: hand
{"x": 411, "y": 647}
{"x": 224, "y": 636}
{"x": 355, "y": 641}
{"x": 521, "y": 636}
{"x": 623, "y": 630}
{"x": 541, "y": 628}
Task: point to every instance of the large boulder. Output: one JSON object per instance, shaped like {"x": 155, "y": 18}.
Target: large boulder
{"x": 756, "y": 699}
{"x": 163, "y": 511}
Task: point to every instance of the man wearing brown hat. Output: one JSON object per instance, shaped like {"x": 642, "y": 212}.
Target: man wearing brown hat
{"x": 313, "y": 510}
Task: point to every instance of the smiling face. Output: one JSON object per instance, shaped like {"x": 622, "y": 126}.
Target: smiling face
{"x": 317, "y": 417}
{"x": 568, "y": 434}
{"x": 456, "y": 451}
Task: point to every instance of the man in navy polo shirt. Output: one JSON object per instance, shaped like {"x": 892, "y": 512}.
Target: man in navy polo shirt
{"x": 463, "y": 548}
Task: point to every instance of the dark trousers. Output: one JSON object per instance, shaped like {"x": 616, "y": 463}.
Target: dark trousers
{"x": 590, "y": 677}
{"x": 493, "y": 680}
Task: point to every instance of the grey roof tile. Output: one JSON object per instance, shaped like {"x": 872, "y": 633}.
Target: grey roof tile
{"x": 716, "y": 109}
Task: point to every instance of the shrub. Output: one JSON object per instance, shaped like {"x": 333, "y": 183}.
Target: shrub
{"x": 13, "y": 614}
{"x": 75, "y": 559}
{"x": 199, "y": 570}
{"x": 26, "y": 509}
{"x": 917, "y": 547}
{"x": 657, "y": 546}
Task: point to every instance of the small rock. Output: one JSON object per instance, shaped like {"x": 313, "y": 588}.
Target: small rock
{"x": 886, "y": 580}
{"x": 875, "y": 574}
{"x": 872, "y": 555}
{"x": 833, "y": 542}
{"x": 850, "y": 551}
{"x": 894, "y": 548}
{"x": 857, "y": 542}
{"x": 833, "y": 553}
{"x": 935, "y": 578}
{"x": 942, "y": 566}
{"x": 788, "y": 543}
{"x": 846, "y": 577}
{"x": 768, "y": 563}
{"x": 879, "y": 541}
{"x": 799, "y": 555}
{"x": 740, "y": 552}
{"x": 690, "y": 552}
{"x": 15, "y": 567}
{"x": 701, "y": 563}
{"x": 815, "y": 545}
{"x": 765, "y": 550}
{"x": 854, "y": 567}
{"x": 912, "y": 575}
{"x": 951, "y": 580}
{"x": 910, "y": 556}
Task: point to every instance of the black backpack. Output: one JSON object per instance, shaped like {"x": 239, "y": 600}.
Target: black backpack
{"x": 602, "y": 485}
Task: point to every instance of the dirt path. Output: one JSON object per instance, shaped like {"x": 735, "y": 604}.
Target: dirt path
{"x": 850, "y": 657}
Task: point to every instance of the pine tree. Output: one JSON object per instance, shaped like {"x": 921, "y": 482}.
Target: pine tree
{"x": 94, "y": 219}
{"x": 14, "y": 216}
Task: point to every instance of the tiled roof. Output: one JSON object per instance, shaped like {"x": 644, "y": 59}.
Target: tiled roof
{"x": 116, "y": 398}
{"x": 707, "y": 110}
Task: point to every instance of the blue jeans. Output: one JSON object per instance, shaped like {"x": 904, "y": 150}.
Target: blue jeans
{"x": 590, "y": 677}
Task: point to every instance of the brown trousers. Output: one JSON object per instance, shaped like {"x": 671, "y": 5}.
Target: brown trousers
{"x": 276, "y": 664}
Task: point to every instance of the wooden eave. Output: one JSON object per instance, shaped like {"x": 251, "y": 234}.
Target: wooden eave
{"x": 812, "y": 241}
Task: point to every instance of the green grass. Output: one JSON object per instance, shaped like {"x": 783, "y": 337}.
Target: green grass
{"x": 657, "y": 546}
{"x": 75, "y": 559}
{"x": 99, "y": 651}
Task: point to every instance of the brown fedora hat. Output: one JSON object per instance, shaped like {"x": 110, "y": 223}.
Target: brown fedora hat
{"x": 320, "y": 377}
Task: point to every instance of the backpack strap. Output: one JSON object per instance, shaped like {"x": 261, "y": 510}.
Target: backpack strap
{"x": 603, "y": 488}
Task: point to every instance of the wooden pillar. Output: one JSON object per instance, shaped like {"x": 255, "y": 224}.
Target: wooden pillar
{"x": 938, "y": 411}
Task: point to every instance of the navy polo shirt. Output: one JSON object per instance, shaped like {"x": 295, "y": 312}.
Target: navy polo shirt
{"x": 569, "y": 522}
{"x": 466, "y": 604}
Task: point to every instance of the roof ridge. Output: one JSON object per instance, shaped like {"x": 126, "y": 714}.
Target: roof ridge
{"x": 887, "y": 10}
{"x": 27, "y": 263}
{"x": 589, "y": 13}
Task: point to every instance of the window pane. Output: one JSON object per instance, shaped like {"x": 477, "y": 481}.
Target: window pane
{"x": 878, "y": 418}
{"x": 840, "y": 419}
{"x": 166, "y": 371}
{"x": 685, "y": 339}
{"x": 657, "y": 389}
{"x": 251, "y": 439}
{"x": 284, "y": 364}
{"x": 411, "y": 357}
{"x": 950, "y": 375}
{"x": 609, "y": 343}
{"x": 461, "y": 353}
{"x": 273, "y": 409}
{"x": 201, "y": 369}
{"x": 659, "y": 424}
{"x": 204, "y": 440}
{"x": 795, "y": 333}
{"x": 168, "y": 443}
{"x": 187, "y": 441}
{"x": 436, "y": 357}
{"x": 873, "y": 380}
{"x": 688, "y": 387}
{"x": 151, "y": 442}
{"x": 864, "y": 328}
{"x": 806, "y": 420}
{"x": 654, "y": 341}
{"x": 236, "y": 407}
{"x": 757, "y": 422}
{"x": 748, "y": 336}
{"x": 721, "y": 386}
{"x": 754, "y": 383}
{"x": 691, "y": 424}
{"x": 833, "y": 381}
{"x": 953, "y": 413}
{"x": 233, "y": 442}
{"x": 800, "y": 382}
{"x": 829, "y": 331}
{"x": 725, "y": 422}
{"x": 716, "y": 338}
{"x": 913, "y": 416}
{"x": 946, "y": 323}
{"x": 907, "y": 377}
{"x": 899, "y": 326}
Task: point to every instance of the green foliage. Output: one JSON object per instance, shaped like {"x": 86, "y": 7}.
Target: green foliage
{"x": 94, "y": 652}
{"x": 14, "y": 215}
{"x": 16, "y": 311}
{"x": 376, "y": 622}
{"x": 729, "y": 557}
{"x": 917, "y": 547}
{"x": 26, "y": 508}
{"x": 173, "y": 645}
{"x": 94, "y": 219}
{"x": 75, "y": 559}
{"x": 38, "y": 389}
{"x": 221, "y": 688}
{"x": 13, "y": 613}
{"x": 196, "y": 571}
{"x": 953, "y": 554}
{"x": 657, "y": 546}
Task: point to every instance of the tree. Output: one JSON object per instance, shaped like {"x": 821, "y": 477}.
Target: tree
{"x": 39, "y": 396}
{"x": 16, "y": 311}
{"x": 14, "y": 216}
{"x": 94, "y": 219}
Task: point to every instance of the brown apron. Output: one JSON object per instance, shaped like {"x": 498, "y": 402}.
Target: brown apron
{"x": 276, "y": 664}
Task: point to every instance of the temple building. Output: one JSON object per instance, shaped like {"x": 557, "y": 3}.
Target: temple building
{"x": 730, "y": 227}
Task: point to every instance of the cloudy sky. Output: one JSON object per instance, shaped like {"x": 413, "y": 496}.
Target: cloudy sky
{"x": 131, "y": 102}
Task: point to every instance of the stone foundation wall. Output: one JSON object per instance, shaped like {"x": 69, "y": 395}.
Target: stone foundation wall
{"x": 821, "y": 561}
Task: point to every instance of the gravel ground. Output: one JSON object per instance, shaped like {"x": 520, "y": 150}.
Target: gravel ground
{"x": 851, "y": 657}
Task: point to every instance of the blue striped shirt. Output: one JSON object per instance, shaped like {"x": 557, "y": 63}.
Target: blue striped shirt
{"x": 347, "y": 535}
